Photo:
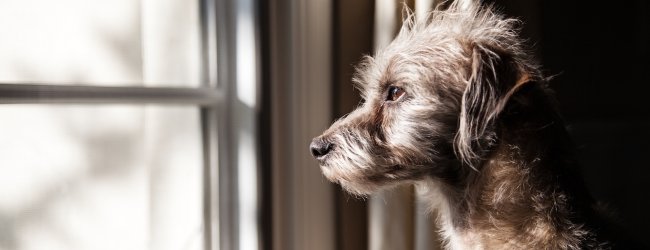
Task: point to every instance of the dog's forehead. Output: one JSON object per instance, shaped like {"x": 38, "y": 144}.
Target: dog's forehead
{"x": 375, "y": 73}
{"x": 406, "y": 62}
{"x": 437, "y": 50}
{"x": 386, "y": 67}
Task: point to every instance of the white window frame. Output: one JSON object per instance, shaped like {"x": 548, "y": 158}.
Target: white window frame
{"x": 213, "y": 98}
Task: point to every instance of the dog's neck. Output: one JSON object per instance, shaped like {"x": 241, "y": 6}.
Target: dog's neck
{"x": 523, "y": 195}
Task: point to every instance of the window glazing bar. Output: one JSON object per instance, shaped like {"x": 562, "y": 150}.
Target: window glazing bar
{"x": 62, "y": 94}
{"x": 210, "y": 128}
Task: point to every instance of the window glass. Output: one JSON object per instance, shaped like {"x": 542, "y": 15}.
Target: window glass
{"x": 98, "y": 42}
{"x": 100, "y": 177}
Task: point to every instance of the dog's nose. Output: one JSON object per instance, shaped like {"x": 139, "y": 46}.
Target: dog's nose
{"x": 320, "y": 147}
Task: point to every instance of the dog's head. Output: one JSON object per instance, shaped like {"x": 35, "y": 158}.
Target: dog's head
{"x": 431, "y": 98}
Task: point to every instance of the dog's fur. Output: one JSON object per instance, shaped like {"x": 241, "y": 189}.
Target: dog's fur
{"x": 476, "y": 131}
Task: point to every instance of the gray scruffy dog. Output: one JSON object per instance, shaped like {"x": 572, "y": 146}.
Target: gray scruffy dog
{"x": 456, "y": 106}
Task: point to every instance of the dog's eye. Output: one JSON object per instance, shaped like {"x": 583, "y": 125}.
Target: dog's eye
{"x": 394, "y": 93}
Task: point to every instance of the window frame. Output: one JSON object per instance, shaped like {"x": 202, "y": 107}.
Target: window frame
{"x": 219, "y": 185}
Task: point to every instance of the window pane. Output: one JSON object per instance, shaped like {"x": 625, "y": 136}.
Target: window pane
{"x": 100, "y": 177}
{"x": 99, "y": 42}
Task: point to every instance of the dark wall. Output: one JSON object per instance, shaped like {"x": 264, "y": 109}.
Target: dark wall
{"x": 599, "y": 52}
{"x": 352, "y": 38}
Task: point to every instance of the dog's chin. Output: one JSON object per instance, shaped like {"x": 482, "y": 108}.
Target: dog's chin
{"x": 360, "y": 189}
{"x": 336, "y": 175}
{"x": 356, "y": 182}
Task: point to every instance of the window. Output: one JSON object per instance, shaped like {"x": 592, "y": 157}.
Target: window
{"x": 109, "y": 119}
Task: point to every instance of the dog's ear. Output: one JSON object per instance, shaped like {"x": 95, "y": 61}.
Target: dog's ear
{"x": 493, "y": 78}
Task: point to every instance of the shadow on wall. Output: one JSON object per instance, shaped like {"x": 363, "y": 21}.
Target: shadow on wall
{"x": 598, "y": 53}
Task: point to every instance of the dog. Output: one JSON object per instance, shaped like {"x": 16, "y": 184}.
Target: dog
{"x": 456, "y": 106}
